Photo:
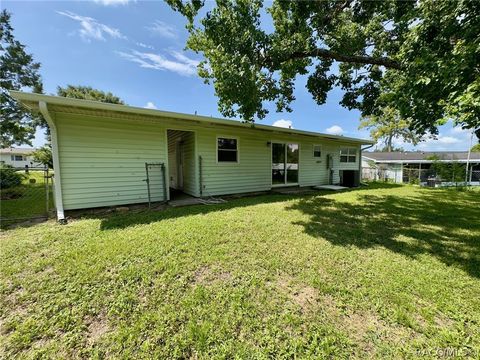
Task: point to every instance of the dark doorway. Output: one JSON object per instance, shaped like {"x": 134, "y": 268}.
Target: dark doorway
{"x": 181, "y": 163}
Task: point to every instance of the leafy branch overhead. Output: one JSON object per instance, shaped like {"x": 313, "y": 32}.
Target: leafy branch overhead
{"x": 17, "y": 71}
{"x": 419, "y": 57}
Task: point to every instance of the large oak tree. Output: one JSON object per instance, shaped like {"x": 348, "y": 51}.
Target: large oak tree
{"x": 18, "y": 71}
{"x": 420, "y": 57}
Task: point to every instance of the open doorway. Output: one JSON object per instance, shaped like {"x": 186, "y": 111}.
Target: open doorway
{"x": 181, "y": 163}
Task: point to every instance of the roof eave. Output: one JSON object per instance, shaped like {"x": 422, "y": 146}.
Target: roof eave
{"x": 89, "y": 104}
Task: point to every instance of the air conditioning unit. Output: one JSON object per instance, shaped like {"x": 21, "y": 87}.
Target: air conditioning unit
{"x": 350, "y": 178}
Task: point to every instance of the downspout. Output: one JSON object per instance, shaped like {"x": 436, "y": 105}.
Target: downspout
{"x": 360, "y": 163}
{"x": 56, "y": 162}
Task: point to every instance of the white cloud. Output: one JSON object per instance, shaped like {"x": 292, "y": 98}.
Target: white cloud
{"x": 283, "y": 124}
{"x": 92, "y": 29}
{"x": 458, "y": 130}
{"x": 447, "y": 140}
{"x": 162, "y": 29}
{"x": 444, "y": 143}
{"x": 145, "y": 46}
{"x": 150, "y": 105}
{"x": 450, "y": 138}
{"x": 334, "y": 130}
{"x": 181, "y": 64}
{"x": 184, "y": 59}
{"x": 112, "y": 2}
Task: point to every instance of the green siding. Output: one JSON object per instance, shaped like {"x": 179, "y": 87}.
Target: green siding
{"x": 103, "y": 158}
{"x": 102, "y": 161}
{"x": 251, "y": 173}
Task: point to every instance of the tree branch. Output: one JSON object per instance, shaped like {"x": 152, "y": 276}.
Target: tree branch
{"x": 355, "y": 59}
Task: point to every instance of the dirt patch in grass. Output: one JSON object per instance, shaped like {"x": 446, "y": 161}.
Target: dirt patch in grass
{"x": 301, "y": 295}
{"x": 443, "y": 322}
{"x": 97, "y": 327}
{"x": 364, "y": 326}
{"x": 361, "y": 326}
{"x": 206, "y": 275}
{"x": 15, "y": 303}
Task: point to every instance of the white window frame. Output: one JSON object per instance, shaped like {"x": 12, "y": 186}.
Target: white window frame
{"x": 313, "y": 151}
{"x": 238, "y": 149}
{"x": 351, "y": 152}
{"x": 14, "y": 157}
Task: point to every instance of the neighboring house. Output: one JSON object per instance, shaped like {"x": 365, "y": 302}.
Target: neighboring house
{"x": 100, "y": 153}
{"x": 18, "y": 157}
{"x": 403, "y": 166}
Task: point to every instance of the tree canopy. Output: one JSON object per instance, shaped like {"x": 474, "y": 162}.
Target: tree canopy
{"x": 476, "y": 148}
{"x": 44, "y": 156}
{"x": 88, "y": 93}
{"x": 18, "y": 71}
{"x": 419, "y": 57}
{"x": 389, "y": 126}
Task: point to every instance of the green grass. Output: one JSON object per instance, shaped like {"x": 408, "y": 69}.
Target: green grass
{"x": 30, "y": 199}
{"x": 382, "y": 272}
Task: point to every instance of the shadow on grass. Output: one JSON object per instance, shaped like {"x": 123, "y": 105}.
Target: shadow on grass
{"x": 442, "y": 223}
{"x": 121, "y": 221}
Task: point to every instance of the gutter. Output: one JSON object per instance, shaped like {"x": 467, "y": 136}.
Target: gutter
{"x": 42, "y": 105}
{"x": 360, "y": 162}
{"x": 96, "y": 105}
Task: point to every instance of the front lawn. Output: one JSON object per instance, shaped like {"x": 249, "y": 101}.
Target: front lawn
{"x": 382, "y": 272}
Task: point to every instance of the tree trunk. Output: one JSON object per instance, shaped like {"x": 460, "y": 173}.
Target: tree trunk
{"x": 389, "y": 143}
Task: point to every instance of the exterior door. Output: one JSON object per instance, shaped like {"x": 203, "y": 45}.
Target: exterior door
{"x": 285, "y": 159}
{"x": 179, "y": 155}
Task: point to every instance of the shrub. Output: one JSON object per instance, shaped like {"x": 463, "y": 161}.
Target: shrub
{"x": 414, "y": 181}
{"x": 9, "y": 177}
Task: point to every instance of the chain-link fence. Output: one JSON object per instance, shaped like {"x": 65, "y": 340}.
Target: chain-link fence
{"x": 426, "y": 177}
{"x": 25, "y": 194}
{"x": 386, "y": 175}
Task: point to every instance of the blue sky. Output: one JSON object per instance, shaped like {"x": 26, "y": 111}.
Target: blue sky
{"x": 136, "y": 50}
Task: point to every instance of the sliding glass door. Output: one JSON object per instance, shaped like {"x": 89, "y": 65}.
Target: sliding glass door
{"x": 292, "y": 163}
{"x": 278, "y": 164}
{"x": 284, "y": 164}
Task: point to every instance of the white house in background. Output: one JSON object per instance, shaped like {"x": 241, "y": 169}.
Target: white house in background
{"x": 18, "y": 157}
{"x": 401, "y": 166}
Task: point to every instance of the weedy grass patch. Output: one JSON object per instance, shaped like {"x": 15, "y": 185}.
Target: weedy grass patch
{"x": 383, "y": 272}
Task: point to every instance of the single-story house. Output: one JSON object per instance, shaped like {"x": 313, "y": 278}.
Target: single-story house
{"x": 401, "y": 166}
{"x": 100, "y": 153}
{"x": 18, "y": 157}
